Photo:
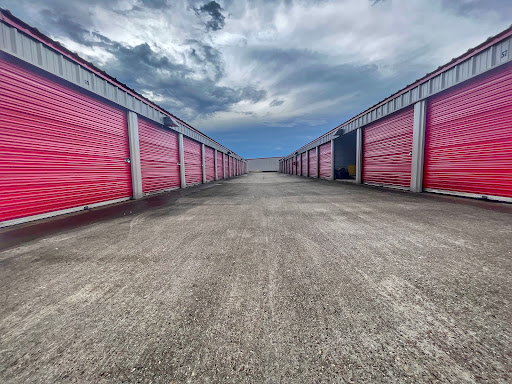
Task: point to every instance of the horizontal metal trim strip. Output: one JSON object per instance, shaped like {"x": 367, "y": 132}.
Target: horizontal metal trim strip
{"x": 41, "y": 216}
{"x": 471, "y": 195}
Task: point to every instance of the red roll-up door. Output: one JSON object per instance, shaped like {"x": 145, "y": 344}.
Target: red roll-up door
{"x": 193, "y": 161}
{"x": 226, "y": 166}
{"x": 297, "y": 165}
{"x": 468, "y": 138}
{"x": 219, "y": 165}
{"x": 59, "y": 148}
{"x": 209, "y": 157}
{"x": 312, "y": 162}
{"x": 387, "y": 147}
{"x": 304, "y": 163}
{"x": 324, "y": 151}
{"x": 231, "y": 167}
{"x": 159, "y": 157}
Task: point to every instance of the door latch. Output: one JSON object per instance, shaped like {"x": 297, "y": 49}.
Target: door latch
{"x": 128, "y": 160}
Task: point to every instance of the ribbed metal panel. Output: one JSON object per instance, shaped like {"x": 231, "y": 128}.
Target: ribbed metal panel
{"x": 209, "y": 156}
{"x": 468, "y": 142}
{"x": 59, "y": 148}
{"x": 312, "y": 162}
{"x": 231, "y": 171}
{"x": 193, "y": 161}
{"x": 159, "y": 157}
{"x": 304, "y": 164}
{"x": 219, "y": 165}
{"x": 387, "y": 148}
{"x": 324, "y": 151}
{"x": 34, "y": 50}
{"x": 226, "y": 166}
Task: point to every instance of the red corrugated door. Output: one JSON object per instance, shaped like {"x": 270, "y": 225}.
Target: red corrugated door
{"x": 468, "y": 138}
{"x": 59, "y": 148}
{"x": 209, "y": 157}
{"x": 387, "y": 146}
{"x": 226, "y": 166}
{"x": 219, "y": 165}
{"x": 304, "y": 164}
{"x": 297, "y": 165}
{"x": 193, "y": 163}
{"x": 159, "y": 157}
{"x": 231, "y": 172}
{"x": 312, "y": 162}
{"x": 324, "y": 151}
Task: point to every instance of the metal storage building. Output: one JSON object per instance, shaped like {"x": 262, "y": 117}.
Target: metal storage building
{"x": 74, "y": 137}
{"x": 448, "y": 132}
{"x": 264, "y": 164}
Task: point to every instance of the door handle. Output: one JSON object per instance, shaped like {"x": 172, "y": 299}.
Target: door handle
{"x": 128, "y": 160}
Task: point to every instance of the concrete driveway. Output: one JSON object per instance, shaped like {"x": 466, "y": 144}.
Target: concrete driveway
{"x": 267, "y": 278}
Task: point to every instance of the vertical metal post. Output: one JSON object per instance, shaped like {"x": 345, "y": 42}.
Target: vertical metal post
{"x": 182, "y": 161}
{"x": 307, "y": 163}
{"x": 133, "y": 137}
{"x": 359, "y": 156}
{"x": 332, "y": 160}
{"x": 418, "y": 145}
{"x": 203, "y": 163}
{"x": 223, "y": 165}
{"x": 215, "y": 162}
{"x": 317, "y": 162}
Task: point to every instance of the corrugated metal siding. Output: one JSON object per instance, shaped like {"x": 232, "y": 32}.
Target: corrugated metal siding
{"x": 59, "y": 148}
{"x": 304, "y": 159}
{"x": 192, "y": 157}
{"x": 312, "y": 162}
{"x": 209, "y": 156}
{"x": 297, "y": 165}
{"x": 159, "y": 157}
{"x": 324, "y": 151}
{"x": 219, "y": 165}
{"x": 387, "y": 145}
{"x": 468, "y": 142}
{"x": 226, "y": 166}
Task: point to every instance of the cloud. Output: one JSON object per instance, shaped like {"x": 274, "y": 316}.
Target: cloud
{"x": 213, "y": 9}
{"x": 276, "y": 103}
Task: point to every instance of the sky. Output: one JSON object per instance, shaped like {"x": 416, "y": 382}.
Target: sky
{"x": 266, "y": 77}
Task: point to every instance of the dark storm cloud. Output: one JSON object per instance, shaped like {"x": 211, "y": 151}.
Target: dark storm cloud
{"x": 276, "y": 103}
{"x": 206, "y": 57}
{"x": 217, "y": 19}
{"x": 144, "y": 69}
{"x": 62, "y": 24}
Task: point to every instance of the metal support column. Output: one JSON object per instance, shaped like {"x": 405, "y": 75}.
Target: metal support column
{"x": 359, "y": 156}
{"x": 133, "y": 137}
{"x": 317, "y": 162}
{"x": 307, "y": 163}
{"x": 215, "y": 162}
{"x": 332, "y": 160}
{"x": 418, "y": 145}
{"x": 223, "y": 165}
{"x": 203, "y": 163}
{"x": 182, "y": 161}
